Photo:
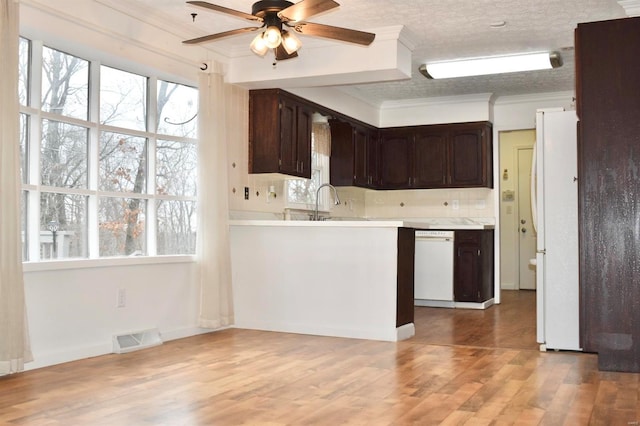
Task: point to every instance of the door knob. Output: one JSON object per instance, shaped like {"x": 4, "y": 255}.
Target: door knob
{"x": 523, "y": 221}
{"x": 523, "y": 230}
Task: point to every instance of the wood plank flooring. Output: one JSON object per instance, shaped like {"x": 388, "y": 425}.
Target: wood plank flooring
{"x": 233, "y": 377}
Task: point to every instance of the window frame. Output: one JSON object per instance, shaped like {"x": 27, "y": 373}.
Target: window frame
{"x": 32, "y": 187}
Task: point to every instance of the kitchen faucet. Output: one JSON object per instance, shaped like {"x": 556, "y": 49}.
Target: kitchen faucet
{"x": 335, "y": 194}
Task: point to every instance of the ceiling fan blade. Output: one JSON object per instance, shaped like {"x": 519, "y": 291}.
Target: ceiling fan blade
{"x": 225, "y": 10}
{"x": 220, "y": 35}
{"x": 281, "y": 53}
{"x": 306, "y": 8}
{"x": 336, "y": 33}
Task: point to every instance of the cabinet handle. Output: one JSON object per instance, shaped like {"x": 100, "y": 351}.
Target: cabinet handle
{"x": 478, "y": 252}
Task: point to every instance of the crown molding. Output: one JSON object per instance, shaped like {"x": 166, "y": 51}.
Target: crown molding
{"x": 534, "y": 97}
{"x": 631, "y": 7}
{"x": 437, "y": 101}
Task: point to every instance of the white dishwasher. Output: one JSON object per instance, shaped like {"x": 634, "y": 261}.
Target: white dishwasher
{"x": 434, "y": 268}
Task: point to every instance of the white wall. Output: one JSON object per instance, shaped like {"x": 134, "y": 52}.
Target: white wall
{"x": 73, "y": 313}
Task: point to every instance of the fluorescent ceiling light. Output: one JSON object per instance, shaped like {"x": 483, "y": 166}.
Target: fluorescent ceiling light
{"x": 492, "y": 65}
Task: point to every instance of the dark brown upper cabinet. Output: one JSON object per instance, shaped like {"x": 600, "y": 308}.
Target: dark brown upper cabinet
{"x": 431, "y": 156}
{"x": 280, "y": 127}
{"x": 414, "y": 157}
{"x": 396, "y": 154}
{"x": 438, "y": 156}
{"x": 470, "y": 148}
{"x": 354, "y": 154}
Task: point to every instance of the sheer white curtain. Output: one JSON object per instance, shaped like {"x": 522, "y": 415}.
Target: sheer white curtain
{"x": 14, "y": 335}
{"x": 322, "y": 137}
{"x": 223, "y": 119}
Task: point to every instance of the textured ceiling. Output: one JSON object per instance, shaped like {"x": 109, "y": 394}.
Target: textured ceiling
{"x": 440, "y": 29}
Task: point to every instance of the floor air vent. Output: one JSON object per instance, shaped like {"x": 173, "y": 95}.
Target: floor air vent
{"x": 124, "y": 343}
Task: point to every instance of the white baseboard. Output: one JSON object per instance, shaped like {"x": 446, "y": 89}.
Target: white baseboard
{"x": 46, "y": 359}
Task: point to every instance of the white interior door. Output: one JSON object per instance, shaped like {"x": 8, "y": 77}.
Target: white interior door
{"x": 526, "y": 232}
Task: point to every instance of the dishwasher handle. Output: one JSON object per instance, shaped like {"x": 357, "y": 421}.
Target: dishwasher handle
{"x": 434, "y": 235}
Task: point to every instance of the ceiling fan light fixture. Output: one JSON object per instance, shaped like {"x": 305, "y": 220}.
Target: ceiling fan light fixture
{"x": 492, "y": 65}
{"x": 290, "y": 42}
{"x": 258, "y": 45}
{"x": 272, "y": 37}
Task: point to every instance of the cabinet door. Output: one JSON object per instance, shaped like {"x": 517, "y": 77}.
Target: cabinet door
{"x": 304, "y": 124}
{"x": 360, "y": 152}
{"x": 467, "y": 274}
{"x": 430, "y": 159}
{"x": 467, "y": 266}
{"x": 469, "y": 157}
{"x": 342, "y": 153}
{"x": 264, "y": 133}
{"x": 395, "y": 149}
{"x": 288, "y": 143}
{"x": 372, "y": 159}
{"x": 473, "y": 266}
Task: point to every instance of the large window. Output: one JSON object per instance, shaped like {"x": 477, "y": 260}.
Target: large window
{"x": 108, "y": 159}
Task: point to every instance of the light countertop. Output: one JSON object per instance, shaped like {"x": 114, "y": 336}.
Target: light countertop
{"x": 418, "y": 223}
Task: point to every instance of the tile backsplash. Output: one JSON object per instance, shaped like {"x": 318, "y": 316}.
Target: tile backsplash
{"x": 465, "y": 202}
{"x": 370, "y": 204}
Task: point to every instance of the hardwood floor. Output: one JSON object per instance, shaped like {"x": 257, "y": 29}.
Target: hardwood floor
{"x": 232, "y": 377}
{"x": 512, "y": 324}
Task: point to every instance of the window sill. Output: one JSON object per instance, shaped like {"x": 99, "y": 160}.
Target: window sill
{"x": 104, "y": 262}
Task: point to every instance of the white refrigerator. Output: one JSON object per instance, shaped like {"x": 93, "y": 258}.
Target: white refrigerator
{"x": 555, "y": 208}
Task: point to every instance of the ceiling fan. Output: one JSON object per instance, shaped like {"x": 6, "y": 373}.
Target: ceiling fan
{"x": 280, "y": 19}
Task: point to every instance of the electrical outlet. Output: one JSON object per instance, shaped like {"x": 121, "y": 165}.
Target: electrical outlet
{"x": 455, "y": 204}
{"x": 122, "y": 298}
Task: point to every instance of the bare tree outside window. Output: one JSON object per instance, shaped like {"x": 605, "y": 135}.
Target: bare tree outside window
{"x": 63, "y": 154}
{"x": 65, "y": 84}
{"x": 123, "y": 99}
{"x": 24, "y": 163}
{"x": 177, "y": 109}
{"x": 69, "y": 184}
{"x": 122, "y": 229}
{"x": 23, "y": 71}
{"x": 176, "y": 168}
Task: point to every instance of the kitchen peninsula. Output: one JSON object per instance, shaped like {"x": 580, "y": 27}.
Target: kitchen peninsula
{"x": 333, "y": 278}
{"x": 329, "y": 278}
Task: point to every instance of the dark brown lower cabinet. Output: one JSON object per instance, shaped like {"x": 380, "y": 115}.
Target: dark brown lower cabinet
{"x": 473, "y": 266}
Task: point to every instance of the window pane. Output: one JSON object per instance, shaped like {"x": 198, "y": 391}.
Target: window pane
{"x": 122, "y": 226}
{"x": 24, "y": 132}
{"x": 303, "y": 191}
{"x": 63, "y": 226}
{"x": 176, "y": 227}
{"x": 23, "y": 71}
{"x": 65, "y": 84}
{"x": 63, "y": 155}
{"x": 177, "y": 109}
{"x": 123, "y": 99}
{"x": 23, "y": 226}
{"x": 176, "y": 168}
{"x": 123, "y": 163}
